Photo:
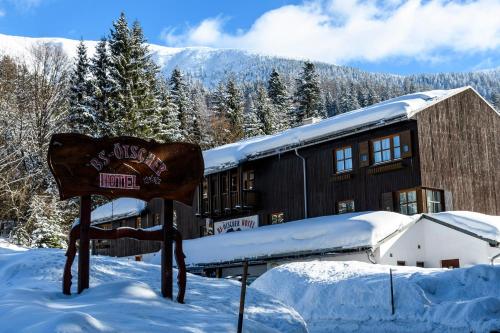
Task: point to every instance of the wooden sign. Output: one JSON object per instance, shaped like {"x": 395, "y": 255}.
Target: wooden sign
{"x": 124, "y": 167}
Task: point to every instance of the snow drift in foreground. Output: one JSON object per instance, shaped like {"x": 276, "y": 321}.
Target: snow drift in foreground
{"x": 355, "y": 297}
{"x": 124, "y": 297}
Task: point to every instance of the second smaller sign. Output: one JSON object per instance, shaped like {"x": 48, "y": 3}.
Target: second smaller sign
{"x": 239, "y": 224}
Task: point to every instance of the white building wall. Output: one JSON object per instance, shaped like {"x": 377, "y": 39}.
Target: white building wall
{"x": 437, "y": 242}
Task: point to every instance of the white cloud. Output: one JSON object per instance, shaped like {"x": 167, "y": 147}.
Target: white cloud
{"x": 339, "y": 31}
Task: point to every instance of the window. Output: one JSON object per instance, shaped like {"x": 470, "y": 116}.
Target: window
{"x": 420, "y": 264}
{"x": 234, "y": 182}
{"x": 408, "y": 202}
{"x": 343, "y": 159}
{"x": 248, "y": 180}
{"x": 205, "y": 188}
{"x": 450, "y": 263}
{"x": 401, "y": 263}
{"x": 434, "y": 203}
{"x": 156, "y": 220}
{"x": 386, "y": 149}
{"x": 277, "y": 218}
{"x": 346, "y": 206}
{"x": 138, "y": 223}
{"x": 224, "y": 183}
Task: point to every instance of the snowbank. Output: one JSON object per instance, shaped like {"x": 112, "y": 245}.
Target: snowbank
{"x": 355, "y": 297}
{"x": 124, "y": 297}
{"x": 406, "y": 106}
{"x": 344, "y": 231}
{"x": 487, "y": 226}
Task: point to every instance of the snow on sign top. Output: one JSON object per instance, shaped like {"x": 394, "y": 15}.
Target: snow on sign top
{"x": 404, "y": 107}
{"x": 346, "y": 231}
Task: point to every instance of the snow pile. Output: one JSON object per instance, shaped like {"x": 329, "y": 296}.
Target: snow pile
{"x": 487, "y": 226}
{"x": 355, "y": 297}
{"x": 404, "y": 106}
{"x": 124, "y": 297}
{"x": 344, "y": 231}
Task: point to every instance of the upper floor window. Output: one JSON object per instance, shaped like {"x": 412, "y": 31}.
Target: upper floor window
{"x": 248, "y": 180}
{"x": 408, "y": 202}
{"x": 346, "y": 206}
{"x": 138, "y": 223}
{"x": 434, "y": 203}
{"x": 343, "y": 159}
{"x": 386, "y": 149}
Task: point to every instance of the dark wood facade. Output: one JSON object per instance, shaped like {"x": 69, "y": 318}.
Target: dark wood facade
{"x": 443, "y": 158}
{"x": 459, "y": 140}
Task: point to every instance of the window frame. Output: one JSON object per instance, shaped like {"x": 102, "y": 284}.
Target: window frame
{"x": 248, "y": 179}
{"x": 339, "y": 203}
{"x": 336, "y": 160}
{"x": 429, "y": 203}
{"x": 391, "y": 149}
{"x": 407, "y": 203}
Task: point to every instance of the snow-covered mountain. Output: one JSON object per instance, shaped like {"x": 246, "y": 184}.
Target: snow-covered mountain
{"x": 210, "y": 66}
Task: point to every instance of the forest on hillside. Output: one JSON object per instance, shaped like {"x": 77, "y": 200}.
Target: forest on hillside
{"x": 121, "y": 90}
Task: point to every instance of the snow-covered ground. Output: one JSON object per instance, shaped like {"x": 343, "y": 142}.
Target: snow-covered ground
{"x": 355, "y": 297}
{"x": 124, "y": 297}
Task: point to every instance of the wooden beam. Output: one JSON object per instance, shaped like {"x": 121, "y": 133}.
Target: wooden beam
{"x": 166, "y": 250}
{"x": 83, "y": 251}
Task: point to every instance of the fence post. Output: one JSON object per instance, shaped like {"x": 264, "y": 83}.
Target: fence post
{"x": 242, "y": 296}
{"x": 392, "y": 292}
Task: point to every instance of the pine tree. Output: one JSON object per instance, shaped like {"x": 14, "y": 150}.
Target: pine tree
{"x": 495, "y": 98}
{"x": 81, "y": 116}
{"x": 102, "y": 87}
{"x": 168, "y": 116}
{"x": 135, "y": 96}
{"x": 308, "y": 95}
{"x": 280, "y": 100}
{"x": 252, "y": 124}
{"x": 264, "y": 111}
{"x": 121, "y": 76}
{"x": 234, "y": 104}
{"x": 179, "y": 92}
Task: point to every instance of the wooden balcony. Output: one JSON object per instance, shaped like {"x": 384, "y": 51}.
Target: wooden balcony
{"x": 229, "y": 203}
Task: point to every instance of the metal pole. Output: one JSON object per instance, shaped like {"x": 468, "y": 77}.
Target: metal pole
{"x": 242, "y": 296}
{"x": 392, "y": 292}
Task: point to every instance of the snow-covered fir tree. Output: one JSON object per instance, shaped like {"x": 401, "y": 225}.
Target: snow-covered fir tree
{"x": 81, "y": 116}
{"x": 252, "y": 124}
{"x": 234, "y": 104}
{"x": 308, "y": 95}
{"x": 180, "y": 98}
{"x": 101, "y": 88}
{"x": 265, "y": 111}
{"x": 169, "y": 125}
{"x": 46, "y": 221}
{"x": 281, "y": 106}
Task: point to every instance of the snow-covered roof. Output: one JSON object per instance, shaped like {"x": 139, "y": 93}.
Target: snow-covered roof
{"x": 396, "y": 109}
{"x": 484, "y": 226}
{"x": 326, "y": 233}
{"x": 117, "y": 209}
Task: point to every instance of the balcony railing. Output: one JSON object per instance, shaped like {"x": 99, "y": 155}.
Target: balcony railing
{"x": 229, "y": 203}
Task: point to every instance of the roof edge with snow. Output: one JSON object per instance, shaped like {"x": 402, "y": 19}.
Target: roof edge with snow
{"x": 381, "y": 114}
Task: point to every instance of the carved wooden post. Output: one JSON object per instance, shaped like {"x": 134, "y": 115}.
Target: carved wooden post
{"x": 83, "y": 252}
{"x": 166, "y": 250}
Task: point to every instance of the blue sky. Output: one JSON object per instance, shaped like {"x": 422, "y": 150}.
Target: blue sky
{"x": 395, "y": 36}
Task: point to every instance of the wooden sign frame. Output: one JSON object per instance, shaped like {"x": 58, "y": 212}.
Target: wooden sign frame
{"x": 125, "y": 167}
